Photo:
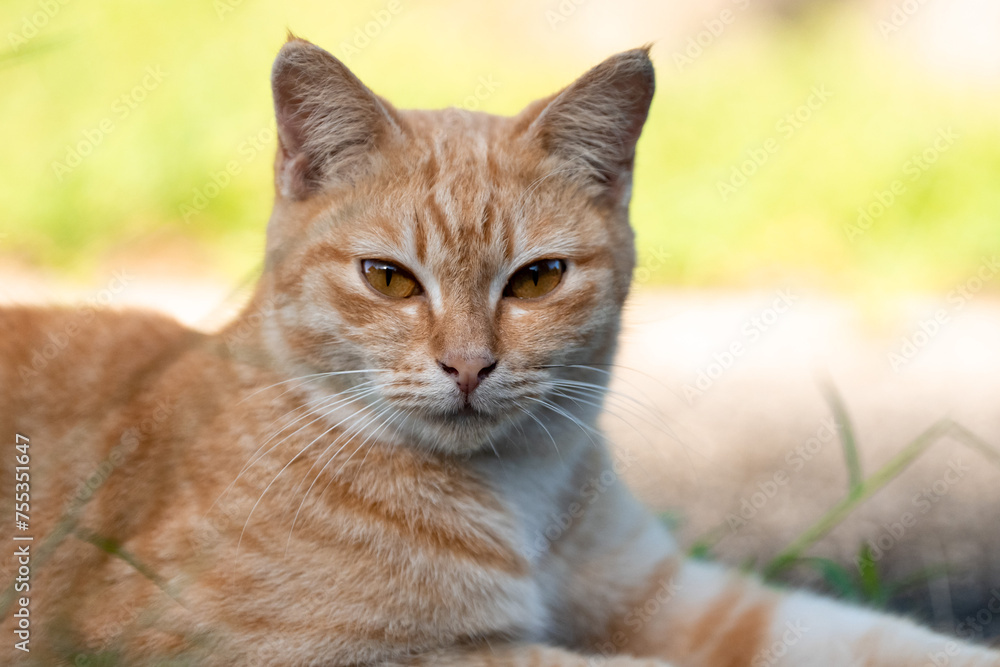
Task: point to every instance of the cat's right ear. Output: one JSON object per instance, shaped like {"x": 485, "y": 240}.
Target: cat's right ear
{"x": 329, "y": 123}
{"x": 592, "y": 126}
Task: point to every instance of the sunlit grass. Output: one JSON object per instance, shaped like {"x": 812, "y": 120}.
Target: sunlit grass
{"x": 142, "y": 180}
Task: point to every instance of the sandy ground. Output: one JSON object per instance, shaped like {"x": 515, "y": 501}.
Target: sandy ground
{"x": 719, "y": 403}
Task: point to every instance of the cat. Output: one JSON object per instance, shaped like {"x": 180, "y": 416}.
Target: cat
{"x": 390, "y": 457}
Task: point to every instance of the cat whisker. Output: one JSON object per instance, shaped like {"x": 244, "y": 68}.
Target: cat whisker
{"x": 646, "y": 413}
{"x": 583, "y": 401}
{"x": 371, "y": 437}
{"x": 641, "y": 411}
{"x": 588, "y": 430}
{"x": 285, "y": 467}
{"x": 619, "y": 376}
{"x": 647, "y": 408}
{"x": 369, "y": 390}
{"x": 321, "y": 412}
{"x": 305, "y": 379}
{"x": 543, "y": 426}
{"x": 355, "y": 431}
{"x": 348, "y": 433}
{"x": 329, "y": 403}
{"x": 311, "y": 411}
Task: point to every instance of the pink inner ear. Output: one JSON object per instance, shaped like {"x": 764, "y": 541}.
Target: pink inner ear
{"x": 292, "y": 178}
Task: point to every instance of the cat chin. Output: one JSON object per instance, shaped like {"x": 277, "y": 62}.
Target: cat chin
{"x": 461, "y": 432}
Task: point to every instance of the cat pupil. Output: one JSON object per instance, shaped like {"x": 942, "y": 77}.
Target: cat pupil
{"x": 534, "y": 273}
{"x": 388, "y": 275}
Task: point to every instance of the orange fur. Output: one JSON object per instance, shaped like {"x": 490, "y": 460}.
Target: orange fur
{"x": 311, "y": 486}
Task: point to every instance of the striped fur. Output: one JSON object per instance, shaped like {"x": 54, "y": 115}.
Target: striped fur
{"x": 308, "y": 487}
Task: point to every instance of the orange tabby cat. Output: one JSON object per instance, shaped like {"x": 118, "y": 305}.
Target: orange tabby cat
{"x": 390, "y": 457}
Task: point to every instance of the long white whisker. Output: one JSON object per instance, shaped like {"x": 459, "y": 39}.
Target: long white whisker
{"x": 544, "y": 428}
{"x": 596, "y": 394}
{"x": 314, "y": 376}
{"x": 320, "y": 403}
{"x": 328, "y": 404}
{"x": 588, "y": 430}
{"x": 652, "y": 416}
{"x": 327, "y": 409}
{"x": 610, "y": 412}
{"x": 331, "y": 459}
{"x": 285, "y": 467}
{"x": 348, "y": 433}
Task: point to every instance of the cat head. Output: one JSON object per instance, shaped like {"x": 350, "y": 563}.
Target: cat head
{"x": 465, "y": 263}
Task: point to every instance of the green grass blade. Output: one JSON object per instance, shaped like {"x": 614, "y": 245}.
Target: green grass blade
{"x": 969, "y": 438}
{"x": 837, "y": 578}
{"x": 868, "y": 488}
{"x": 848, "y": 441}
{"x": 873, "y": 589}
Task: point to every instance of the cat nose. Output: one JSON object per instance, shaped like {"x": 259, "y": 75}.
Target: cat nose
{"x": 468, "y": 372}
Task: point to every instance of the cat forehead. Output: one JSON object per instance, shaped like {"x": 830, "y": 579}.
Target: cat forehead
{"x": 455, "y": 145}
{"x": 455, "y": 177}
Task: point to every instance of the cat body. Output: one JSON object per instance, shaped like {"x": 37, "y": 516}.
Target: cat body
{"x": 391, "y": 456}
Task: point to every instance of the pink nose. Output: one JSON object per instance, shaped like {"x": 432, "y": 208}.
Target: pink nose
{"x": 468, "y": 371}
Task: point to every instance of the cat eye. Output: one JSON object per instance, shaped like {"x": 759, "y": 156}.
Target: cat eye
{"x": 536, "y": 279}
{"x": 390, "y": 279}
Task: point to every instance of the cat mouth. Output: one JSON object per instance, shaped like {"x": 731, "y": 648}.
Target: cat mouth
{"x": 462, "y": 415}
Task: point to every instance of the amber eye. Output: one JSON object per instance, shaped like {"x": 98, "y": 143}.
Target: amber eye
{"x": 390, "y": 279}
{"x": 536, "y": 279}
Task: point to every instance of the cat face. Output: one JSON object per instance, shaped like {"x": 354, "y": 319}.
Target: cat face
{"x": 464, "y": 262}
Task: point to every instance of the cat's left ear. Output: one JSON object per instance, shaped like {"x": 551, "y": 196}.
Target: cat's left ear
{"x": 593, "y": 125}
{"x": 330, "y": 125}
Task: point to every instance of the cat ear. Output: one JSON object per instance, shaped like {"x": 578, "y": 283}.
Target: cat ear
{"x": 594, "y": 124}
{"x": 329, "y": 123}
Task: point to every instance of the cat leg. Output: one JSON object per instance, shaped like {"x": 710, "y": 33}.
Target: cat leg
{"x": 525, "y": 655}
{"x": 709, "y": 616}
{"x": 630, "y": 592}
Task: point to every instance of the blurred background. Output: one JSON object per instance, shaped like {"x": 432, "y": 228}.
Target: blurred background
{"x": 817, "y": 205}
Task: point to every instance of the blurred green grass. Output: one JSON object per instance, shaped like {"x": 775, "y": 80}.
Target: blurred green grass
{"x": 787, "y": 222}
